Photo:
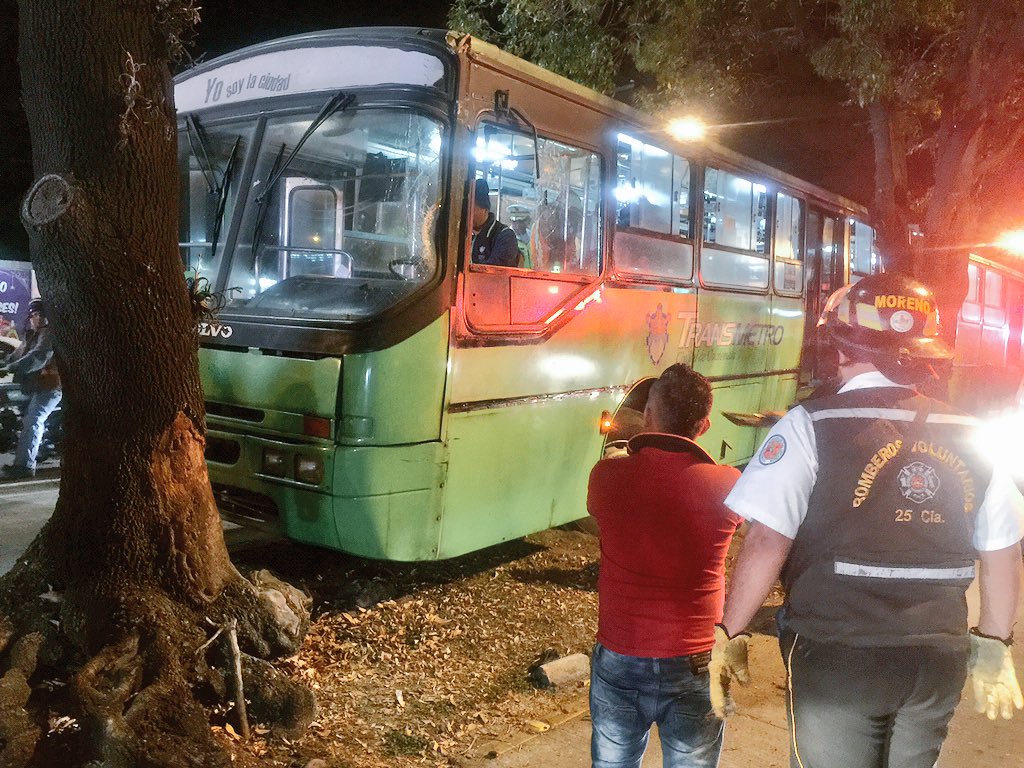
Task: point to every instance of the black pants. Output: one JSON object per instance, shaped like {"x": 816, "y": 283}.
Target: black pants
{"x": 868, "y": 707}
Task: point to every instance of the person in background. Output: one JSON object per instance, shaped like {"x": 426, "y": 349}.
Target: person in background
{"x": 519, "y": 222}
{"x": 664, "y": 532}
{"x": 494, "y": 243}
{"x": 35, "y": 372}
{"x": 873, "y": 505}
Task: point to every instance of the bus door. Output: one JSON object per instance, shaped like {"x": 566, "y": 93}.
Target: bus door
{"x": 531, "y": 365}
{"x": 788, "y": 302}
{"x": 825, "y": 273}
{"x": 733, "y": 328}
{"x": 1000, "y": 313}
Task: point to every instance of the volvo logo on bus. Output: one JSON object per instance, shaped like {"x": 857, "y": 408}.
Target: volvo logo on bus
{"x": 215, "y": 330}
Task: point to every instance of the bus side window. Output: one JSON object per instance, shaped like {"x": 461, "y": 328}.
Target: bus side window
{"x": 864, "y": 259}
{"x": 653, "y": 224}
{"x": 789, "y": 244}
{"x": 734, "y": 231}
{"x": 556, "y": 218}
{"x": 555, "y": 214}
{"x": 994, "y": 331}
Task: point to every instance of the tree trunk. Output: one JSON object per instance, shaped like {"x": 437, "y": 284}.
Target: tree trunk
{"x": 890, "y": 197}
{"x": 134, "y": 547}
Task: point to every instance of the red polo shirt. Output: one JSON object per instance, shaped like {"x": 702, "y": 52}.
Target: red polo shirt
{"x": 665, "y": 531}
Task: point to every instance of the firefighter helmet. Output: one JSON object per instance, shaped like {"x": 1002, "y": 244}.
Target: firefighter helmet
{"x": 889, "y": 320}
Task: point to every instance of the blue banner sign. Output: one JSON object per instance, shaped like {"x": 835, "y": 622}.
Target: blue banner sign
{"x": 15, "y": 294}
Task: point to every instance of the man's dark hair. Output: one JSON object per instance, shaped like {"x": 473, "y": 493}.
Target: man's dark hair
{"x": 482, "y": 194}
{"x": 682, "y": 399}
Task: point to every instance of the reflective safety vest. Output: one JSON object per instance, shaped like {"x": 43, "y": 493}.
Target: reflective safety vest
{"x": 885, "y": 554}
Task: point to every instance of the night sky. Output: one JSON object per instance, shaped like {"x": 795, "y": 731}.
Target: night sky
{"x": 225, "y": 26}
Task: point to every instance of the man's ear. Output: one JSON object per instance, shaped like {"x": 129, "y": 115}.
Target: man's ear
{"x": 704, "y": 426}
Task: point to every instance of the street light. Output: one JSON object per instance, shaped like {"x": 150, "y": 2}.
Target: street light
{"x": 687, "y": 128}
{"x": 1012, "y": 241}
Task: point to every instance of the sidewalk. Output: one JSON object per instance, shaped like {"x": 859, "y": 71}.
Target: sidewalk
{"x": 756, "y": 736}
{"x": 49, "y": 469}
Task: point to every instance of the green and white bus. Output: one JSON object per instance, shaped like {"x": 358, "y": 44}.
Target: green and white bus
{"x": 373, "y": 390}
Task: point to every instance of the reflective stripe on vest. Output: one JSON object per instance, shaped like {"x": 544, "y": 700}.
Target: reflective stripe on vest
{"x": 899, "y": 572}
{"x": 892, "y": 414}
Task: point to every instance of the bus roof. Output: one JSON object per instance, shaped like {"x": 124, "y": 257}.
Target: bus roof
{"x": 442, "y": 44}
{"x": 392, "y": 37}
{"x": 703, "y": 150}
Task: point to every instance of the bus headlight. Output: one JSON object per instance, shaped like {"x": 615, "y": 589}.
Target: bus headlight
{"x": 309, "y": 469}
{"x": 274, "y": 463}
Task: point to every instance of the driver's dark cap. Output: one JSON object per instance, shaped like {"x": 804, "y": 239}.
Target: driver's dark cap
{"x": 482, "y": 194}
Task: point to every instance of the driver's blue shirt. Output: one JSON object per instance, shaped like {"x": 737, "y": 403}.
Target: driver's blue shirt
{"x": 495, "y": 244}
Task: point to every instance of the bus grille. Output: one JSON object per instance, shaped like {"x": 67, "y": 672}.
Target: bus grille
{"x": 222, "y": 450}
{"x": 246, "y": 506}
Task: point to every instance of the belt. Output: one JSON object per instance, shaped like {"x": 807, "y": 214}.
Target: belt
{"x": 699, "y": 662}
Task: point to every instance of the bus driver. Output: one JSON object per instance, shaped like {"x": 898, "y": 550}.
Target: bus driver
{"x": 494, "y": 243}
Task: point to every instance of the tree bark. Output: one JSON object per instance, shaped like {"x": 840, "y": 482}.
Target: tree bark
{"x": 890, "y": 198}
{"x": 134, "y": 547}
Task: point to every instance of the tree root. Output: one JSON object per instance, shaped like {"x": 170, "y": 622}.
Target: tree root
{"x": 18, "y": 733}
{"x": 132, "y": 725}
{"x": 276, "y": 699}
{"x": 139, "y": 701}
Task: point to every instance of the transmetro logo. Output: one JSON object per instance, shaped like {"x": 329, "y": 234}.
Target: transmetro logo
{"x": 697, "y": 334}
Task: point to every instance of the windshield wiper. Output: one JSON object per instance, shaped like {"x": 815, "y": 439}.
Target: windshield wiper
{"x": 201, "y": 152}
{"x": 203, "y": 158}
{"x": 222, "y": 198}
{"x": 338, "y": 103}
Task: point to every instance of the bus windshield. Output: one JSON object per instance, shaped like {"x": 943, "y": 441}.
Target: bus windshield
{"x": 343, "y": 228}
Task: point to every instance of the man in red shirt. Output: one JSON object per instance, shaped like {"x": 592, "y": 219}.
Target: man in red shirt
{"x": 665, "y": 531}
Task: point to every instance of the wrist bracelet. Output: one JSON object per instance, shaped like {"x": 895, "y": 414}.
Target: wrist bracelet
{"x": 1008, "y": 641}
{"x": 730, "y": 636}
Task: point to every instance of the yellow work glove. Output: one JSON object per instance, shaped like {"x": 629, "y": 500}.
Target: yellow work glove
{"x": 728, "y": 663}
{"x": 990, "y": 666}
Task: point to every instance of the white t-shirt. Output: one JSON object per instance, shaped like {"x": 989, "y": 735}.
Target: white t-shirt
{"x": 776, "y": 485}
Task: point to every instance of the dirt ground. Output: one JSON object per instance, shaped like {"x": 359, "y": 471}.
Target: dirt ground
{"x": 427, "y": 664}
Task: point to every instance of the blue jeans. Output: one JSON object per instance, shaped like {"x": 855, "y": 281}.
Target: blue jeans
{"x": 628, "y": 694}
{"x": 40, "y": 405}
